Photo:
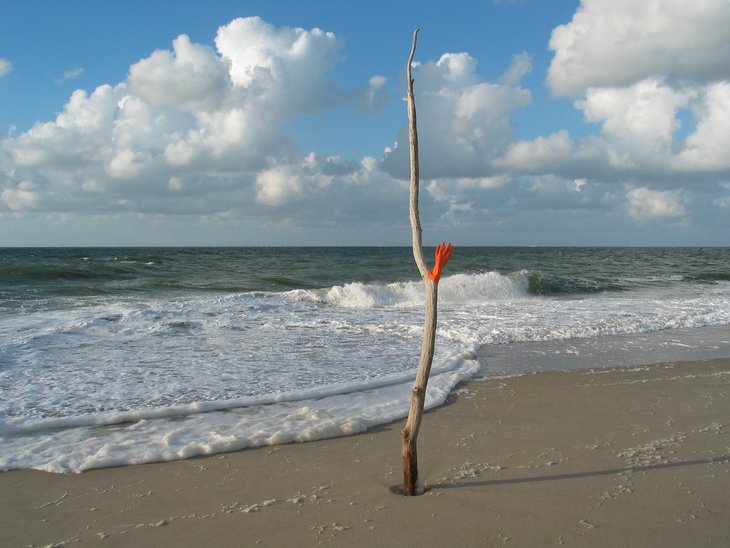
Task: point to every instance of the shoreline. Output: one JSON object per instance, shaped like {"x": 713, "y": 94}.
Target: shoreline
{"x": 620, "y": 456}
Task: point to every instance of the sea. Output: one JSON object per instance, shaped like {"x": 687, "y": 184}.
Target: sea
{"x": 114, "y": 356}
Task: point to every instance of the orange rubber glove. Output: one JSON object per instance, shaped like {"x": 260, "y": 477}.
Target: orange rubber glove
{"x": 443, "y": 254}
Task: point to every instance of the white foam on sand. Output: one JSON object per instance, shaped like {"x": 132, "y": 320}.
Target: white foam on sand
{"x": 77, "y": 444}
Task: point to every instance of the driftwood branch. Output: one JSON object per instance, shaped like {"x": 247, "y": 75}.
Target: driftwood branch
{"x": 411, "y": 482}
{"x": 413, "y": 138}
{"x": 409, "y": 434}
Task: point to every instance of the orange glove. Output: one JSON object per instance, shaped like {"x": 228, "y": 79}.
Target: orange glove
{"x": 443, "y": 254}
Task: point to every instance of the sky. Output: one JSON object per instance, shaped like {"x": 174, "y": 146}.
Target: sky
{"x": 187, "y": 122}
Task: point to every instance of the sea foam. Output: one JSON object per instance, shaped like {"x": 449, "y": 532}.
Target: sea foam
{"x": 78, "y": 444}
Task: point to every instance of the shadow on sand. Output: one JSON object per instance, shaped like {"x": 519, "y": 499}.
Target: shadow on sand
{"x": 398, "y": 489}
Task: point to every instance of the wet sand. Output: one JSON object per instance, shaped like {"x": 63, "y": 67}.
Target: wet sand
{"x": 620, "y": 457}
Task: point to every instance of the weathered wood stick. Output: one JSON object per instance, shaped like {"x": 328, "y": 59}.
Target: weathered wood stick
{"x": 411, "y": 483}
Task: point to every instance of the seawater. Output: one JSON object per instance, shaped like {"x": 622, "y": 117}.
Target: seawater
{"x": 113, "y": 356}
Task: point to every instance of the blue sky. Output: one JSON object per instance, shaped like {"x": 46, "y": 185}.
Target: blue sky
{"x": 593, "y": 122}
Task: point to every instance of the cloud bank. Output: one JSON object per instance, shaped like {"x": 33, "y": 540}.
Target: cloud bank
{"x": 201, "y": 131}
{"x": 191, "y": 130}
{"x": 654, "y": 78}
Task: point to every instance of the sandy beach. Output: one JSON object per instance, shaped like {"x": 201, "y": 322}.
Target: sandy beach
{"x": 620, "y": 457}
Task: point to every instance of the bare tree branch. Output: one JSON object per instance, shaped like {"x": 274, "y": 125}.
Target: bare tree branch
{"x": 411, "y": 483}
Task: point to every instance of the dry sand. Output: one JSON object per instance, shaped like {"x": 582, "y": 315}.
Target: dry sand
{"x": 637, "y": 457}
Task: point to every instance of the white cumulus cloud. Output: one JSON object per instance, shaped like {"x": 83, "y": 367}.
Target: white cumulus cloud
{"x": 283, "y": 68}
{"x": 638, "y": 122}
{"x": 620, "y": 42}
{"x": 521, "y": 66}
{"x": 463, "y": 120}
{"x": 654, "y": 78}
{"x": 73, "y": 73}
{"x": 537, "y": 155}
{"x": 5, "y": 67}
{"x": 645, "y": 203}
{"x": 19, "y": 199}
{"x": 277, "y": 186}
{"x": 191, "y": 76}
{"x": 707, "y": 148}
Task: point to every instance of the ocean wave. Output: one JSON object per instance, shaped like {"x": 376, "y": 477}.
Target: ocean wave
{"x": 710, "y": 277}
{"x": 479, "y": 288}
{"x": 541, "y": 283}
{"x": 455, "y": 289}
